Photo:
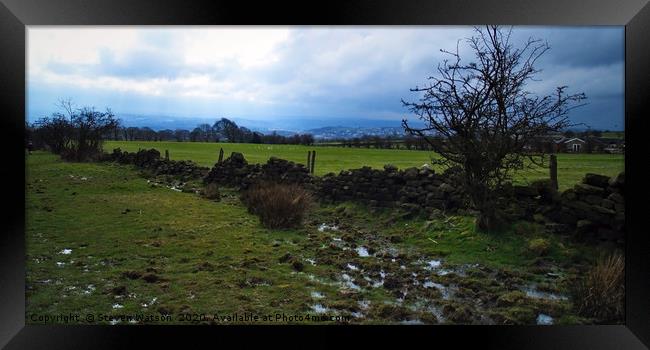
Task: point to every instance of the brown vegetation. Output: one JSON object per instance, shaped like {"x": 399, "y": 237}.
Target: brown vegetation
{"x": 278, "y": 205}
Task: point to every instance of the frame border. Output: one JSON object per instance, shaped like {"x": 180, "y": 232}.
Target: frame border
{"x": 15, "y": 15}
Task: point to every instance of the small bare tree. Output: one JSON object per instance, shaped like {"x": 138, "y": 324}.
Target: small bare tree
{"x": 478, "y": 114}
{"x": 77, "y": 136}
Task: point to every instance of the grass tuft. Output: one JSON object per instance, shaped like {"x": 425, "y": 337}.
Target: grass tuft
{"x": 602, "y": 292}
{"x": 278, "y": 205}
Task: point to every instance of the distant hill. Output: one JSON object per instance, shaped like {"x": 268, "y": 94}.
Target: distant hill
{"x": 336, "y": 132}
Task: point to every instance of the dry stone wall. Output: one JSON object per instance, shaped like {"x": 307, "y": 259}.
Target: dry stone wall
{"x": 235, "y": 171}
{"x": 593, "y": 209}
{"x": 150, "y": 159}
{"x": 412, "y": 189}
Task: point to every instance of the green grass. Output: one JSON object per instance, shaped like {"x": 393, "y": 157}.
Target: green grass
{"x": 215, "y": 258}
{"x": 571, "y": 167}
{"x": 165, "y": 231}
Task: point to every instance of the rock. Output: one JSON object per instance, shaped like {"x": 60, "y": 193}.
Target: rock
{"x": 619, "y": 207}
{"x": 236, "y": 157}
{"x": 584, "y": 227}
{"x": 618, "y": 181}
{"x": 569, "y": 195}
{"x": 591, "y": 199}
{"x": 616, "y": 198}
{"x": 606, "y": 203}
{"x": 596, "y": 180}
{"x": 604, "y": 211}
{"x": 411, "y": 173}
{"x": 588, "y": 189}
{"x": 562, "y": 216}
{"x": 446, "y": 188}
{"x": 390, "y": 168}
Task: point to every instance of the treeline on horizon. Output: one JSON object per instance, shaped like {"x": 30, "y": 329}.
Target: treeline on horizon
{"x": 223, "y": 130}
{"x": 59, "y": 130}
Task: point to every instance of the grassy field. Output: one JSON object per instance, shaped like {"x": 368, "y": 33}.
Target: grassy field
{"x": 102, "y": 240}
{"x": 571, "y": 167}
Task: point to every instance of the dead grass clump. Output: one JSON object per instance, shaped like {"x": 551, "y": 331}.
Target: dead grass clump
{"x": 278, "y": 205}
{"x": 602, "y": 291}
{"x": 211, "y": 191}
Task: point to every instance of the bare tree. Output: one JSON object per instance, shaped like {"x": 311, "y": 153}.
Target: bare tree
{"x": 77, "y": 136}
{"x": 480, "y": 116}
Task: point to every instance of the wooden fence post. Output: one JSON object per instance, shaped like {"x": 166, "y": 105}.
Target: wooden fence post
{"x": 221, "y": 155}
{"x": 308, "y": 161}
{"x": 166, "y": 154}
{"x": 313, "y": 161}
{"x": 553, "y": 170}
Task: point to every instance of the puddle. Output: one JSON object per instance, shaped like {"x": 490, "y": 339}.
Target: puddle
{"x": 432, "y": 264}
{"x": 118, "y": 306}
{"x": 319, "y": 309}
{"x": 348, "y": 282}
{"x": 89, "y": 289}
{"x": 532, "y": 292}
{"x": 150, "y": 303}
{"x": 324, "y": 227}
{"x": 362, "y": 251}
{"x": 379, "y": 283}
{"x": 416, "y": 321}
{"x": 428, "y": 284}
{"x": 317, "y": 295}
{"x": 444, "y": 291}
{"x": 66, "y": 251}
{"x": 544, "y": 320}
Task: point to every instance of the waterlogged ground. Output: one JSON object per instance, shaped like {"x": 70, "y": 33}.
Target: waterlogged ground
{"x": 103, "y": 241}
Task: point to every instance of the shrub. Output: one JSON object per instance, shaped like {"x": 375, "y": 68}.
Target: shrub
{"x": 77, "y": 136}
{"x": 211, "y": 191}
{"x": 278, "y": 205}
{"x": 539, "y": 246}
{"x": 601, "y": 294}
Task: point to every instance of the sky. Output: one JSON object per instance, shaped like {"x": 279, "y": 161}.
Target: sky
{"x": 295, "y": 72}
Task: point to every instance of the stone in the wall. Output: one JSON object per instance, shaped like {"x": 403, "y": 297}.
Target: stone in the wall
{"x": 596, "y": 180}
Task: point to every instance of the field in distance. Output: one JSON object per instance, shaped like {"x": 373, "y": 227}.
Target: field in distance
{"x": 571, "y": 167}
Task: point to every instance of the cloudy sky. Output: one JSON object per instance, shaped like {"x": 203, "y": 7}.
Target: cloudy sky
{"x": 262, "y": 73}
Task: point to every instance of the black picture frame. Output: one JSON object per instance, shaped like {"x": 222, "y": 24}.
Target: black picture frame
{"x": 15, "y": 15}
